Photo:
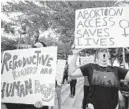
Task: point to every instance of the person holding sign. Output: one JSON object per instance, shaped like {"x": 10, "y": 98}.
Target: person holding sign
{"x": 59, "y": 80}
{"x": 58, "y": 92}
{"x": 104, "y": 80}
{"x": 37, "y": 45}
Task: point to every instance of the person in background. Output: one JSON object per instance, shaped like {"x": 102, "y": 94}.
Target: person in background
{"x": 73, "y": 87}
{"x": 58, "y": 88}
{"x": 65, "y": 77}
{"x": 58, "y": 92}
{"x": 36, "y": 39}
{"x": 86, "y": 86}
{"x": 38, "y": 44}
{"x": 121, "y": 101}
{"x": 124, "y": 92}
{"x": 72, "y": 82}
{"x": 86, "y": 89}
{"x": 104, "y": 79}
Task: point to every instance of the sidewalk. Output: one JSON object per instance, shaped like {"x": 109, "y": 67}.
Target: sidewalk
{"x": 71, "y": 103}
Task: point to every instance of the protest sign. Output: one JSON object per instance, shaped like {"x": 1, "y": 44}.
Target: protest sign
{"x": 105, "y": 27}
{"x": 87, "y": 59}
{"x": 60, "y": 71}
{"x": 28, "y": 76}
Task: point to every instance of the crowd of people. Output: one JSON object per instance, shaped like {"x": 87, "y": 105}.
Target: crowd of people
{"x": 104, "y": 80}
{"x": 101, "y": 81}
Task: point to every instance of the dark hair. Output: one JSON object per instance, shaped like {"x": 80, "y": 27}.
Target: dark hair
{"x": 43, "y": 43}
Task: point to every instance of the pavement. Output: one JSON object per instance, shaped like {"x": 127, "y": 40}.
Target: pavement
{"x": 71, "y": 103}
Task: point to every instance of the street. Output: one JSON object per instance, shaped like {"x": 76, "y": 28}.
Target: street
{"x": 71, "y": 103}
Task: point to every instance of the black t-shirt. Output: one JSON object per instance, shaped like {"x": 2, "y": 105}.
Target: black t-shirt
{"x": 104, "y": 83}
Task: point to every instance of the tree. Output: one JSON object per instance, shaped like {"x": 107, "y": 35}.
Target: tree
{"x": 7, "y": 44}
{"x": 42, "y": 15}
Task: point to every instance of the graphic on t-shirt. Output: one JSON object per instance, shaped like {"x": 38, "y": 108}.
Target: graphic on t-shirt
{"x": 103, "y": 78}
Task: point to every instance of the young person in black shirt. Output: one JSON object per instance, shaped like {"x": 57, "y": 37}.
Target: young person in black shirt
{"x": 104, "y": 80}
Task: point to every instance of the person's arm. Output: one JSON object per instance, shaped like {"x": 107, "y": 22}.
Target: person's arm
{"x": 121, "y": 98}
{"x": 127, "y": 76}
{"x": 73, "y": 70}
{"x": 127, "y": 50}
{"x": 3, "y": 106}
{"x": 123, "y": 74}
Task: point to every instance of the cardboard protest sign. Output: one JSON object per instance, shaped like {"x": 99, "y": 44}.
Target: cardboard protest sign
{"x": 60, "y": 71}
{"x": 28, "y": 76}
{"x": 105, "y": 27}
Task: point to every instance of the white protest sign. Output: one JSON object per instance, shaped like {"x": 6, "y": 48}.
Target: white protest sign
{"x": 105, "y": 27}
{"x": 28, "y": 76}
{"x": 60, "y": 71}
{"x": 87, "y": 59}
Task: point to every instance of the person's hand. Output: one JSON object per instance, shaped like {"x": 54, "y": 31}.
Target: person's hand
{"x": 127, "y": 49}
{"x": 90, "y": 106}
{"x": 69, "y": 79}
{"x": 38, "y": 104}
{"x": 3, "y": 106}
{"x": 125, "y": 82}
{"x": 77, "y": 51}
{"x": 30, "y": 46}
